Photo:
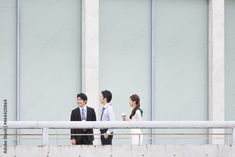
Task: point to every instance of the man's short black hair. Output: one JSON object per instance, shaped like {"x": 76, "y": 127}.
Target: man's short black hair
{"x": 107, "y": 94}
{"x": 82, "y": 96}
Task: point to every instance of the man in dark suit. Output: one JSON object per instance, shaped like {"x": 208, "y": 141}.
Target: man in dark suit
{"x": 82, "y": 113}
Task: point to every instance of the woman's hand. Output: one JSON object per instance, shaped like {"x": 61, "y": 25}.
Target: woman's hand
{"x": 73, "y": 141}
{"x": 125, "y": 119}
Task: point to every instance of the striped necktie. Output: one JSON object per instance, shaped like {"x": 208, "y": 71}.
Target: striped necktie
{"x": 102, "y": 114}
{"x": 83, "y": 115}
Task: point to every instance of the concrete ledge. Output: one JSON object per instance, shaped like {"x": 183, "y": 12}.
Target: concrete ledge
{"x": 120, "y": 151}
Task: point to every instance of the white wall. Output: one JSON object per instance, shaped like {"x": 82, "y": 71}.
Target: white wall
{"x": 122, "y": 151}
{"x": 180, "y": 44}
{"x": 50, "y": 34}
{"x": 51, "y": 44}
{"x": 229, "y": 60}
{"x": 125, "y": 53}
{"x": 8, "y": 59}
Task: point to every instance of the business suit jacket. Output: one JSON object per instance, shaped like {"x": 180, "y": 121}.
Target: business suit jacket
{"x": 76, "y": 116}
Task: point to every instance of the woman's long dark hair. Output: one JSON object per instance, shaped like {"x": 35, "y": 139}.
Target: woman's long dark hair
{"x": 135, "y": 98}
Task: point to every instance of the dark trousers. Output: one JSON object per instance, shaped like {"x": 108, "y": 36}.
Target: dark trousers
{"x": 84, "y": 140}
{"x": 107, "y": 141}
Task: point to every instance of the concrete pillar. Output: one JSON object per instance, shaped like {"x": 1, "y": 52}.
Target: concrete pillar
{"x": 90, "y": 52}
{"x": 216, "y": 67}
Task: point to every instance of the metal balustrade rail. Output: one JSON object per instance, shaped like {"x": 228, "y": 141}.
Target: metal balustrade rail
{"x": 46, "y": 125}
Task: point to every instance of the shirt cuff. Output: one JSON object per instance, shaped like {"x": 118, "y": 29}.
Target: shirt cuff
{"x": 108, "y": 132}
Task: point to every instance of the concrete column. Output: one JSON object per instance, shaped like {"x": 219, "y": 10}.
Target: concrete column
{"x": 216, "y": 67}
{"x": 90, "y": 52}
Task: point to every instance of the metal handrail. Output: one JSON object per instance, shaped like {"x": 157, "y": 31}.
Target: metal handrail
{"x": 119, "y": 124}
{"x": 46, "y": 125}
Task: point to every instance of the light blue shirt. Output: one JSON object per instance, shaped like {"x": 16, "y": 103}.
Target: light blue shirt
{"x": 85, "y": 111}
{"x": 108, "y": 115}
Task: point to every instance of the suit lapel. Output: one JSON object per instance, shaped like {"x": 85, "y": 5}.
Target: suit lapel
{"x": 88, "y": 114}
{"x": 79, "y": 115}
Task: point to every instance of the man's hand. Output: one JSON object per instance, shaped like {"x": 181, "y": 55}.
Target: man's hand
{"x": 106, "y": 135}
{"x": 73, "y": 141}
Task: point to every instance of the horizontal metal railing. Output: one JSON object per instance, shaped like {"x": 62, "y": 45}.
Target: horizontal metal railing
{"x": 46, "y": 125}
{"x": 118, "y": 124}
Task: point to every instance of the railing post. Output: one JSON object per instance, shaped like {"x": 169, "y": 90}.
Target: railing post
{"x": 45, "y": 136}
{"x": 233, "y": 134}
{"x": 139, "y": 140}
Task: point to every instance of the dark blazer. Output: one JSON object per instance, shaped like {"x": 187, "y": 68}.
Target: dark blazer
{"x": 75, "y": 116}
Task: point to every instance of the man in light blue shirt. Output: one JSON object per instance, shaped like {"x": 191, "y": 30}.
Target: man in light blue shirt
{"x": 106, "y": 115}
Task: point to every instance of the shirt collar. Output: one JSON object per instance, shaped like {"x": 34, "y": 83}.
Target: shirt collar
{"x": 84, "y": 107}
{"x": 106, "y": 105}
